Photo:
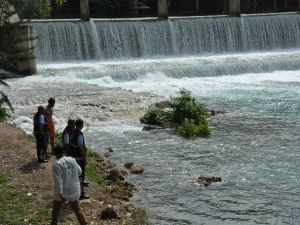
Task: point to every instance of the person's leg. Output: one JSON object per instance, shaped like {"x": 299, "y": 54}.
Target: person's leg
{"x": 52, "y": 145}
{"x": 82, "y": 166}
{"x": 55, "y": 212}
{"x": 79, "y": 212}
{"x": 83, "y": 171}
{"x": 51, "y": 127}
{"x": 38, "y": 146}
{"x": 45, "y": 145}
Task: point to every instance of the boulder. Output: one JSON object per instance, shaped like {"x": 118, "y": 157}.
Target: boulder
{"x": 124, "y": 172}
{"x": 128, "y": 165}
{"x": 115, "y": 174}
{"x": 206, "y": 181}
{"x": 108, "y": 214}
{"x": 137, "y": 170}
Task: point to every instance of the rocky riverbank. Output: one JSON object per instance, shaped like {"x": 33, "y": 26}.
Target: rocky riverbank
{"x": 26, "y": 187}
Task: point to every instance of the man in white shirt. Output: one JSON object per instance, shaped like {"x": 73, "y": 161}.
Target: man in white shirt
{"x": 66, "y": 174}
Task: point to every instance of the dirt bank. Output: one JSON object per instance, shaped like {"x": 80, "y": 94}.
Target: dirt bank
{"x": 33, "y": 182}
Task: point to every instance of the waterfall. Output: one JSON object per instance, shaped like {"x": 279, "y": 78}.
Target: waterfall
{"x": 107, "y": 40}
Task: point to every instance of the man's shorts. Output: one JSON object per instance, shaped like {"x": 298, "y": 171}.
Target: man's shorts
{"x": 51, "y": 127}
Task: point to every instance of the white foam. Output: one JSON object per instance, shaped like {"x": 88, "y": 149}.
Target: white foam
{"x": 24, "y": 123}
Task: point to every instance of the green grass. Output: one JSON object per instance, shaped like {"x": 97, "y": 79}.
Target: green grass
{"x": 139, "y": 217}
{"x": 3, "y": 178}
{"x": 92, "y": 154}
{"x": 13, "y": 203}
{"x": 93, "y": 175}
{"x": 16, "y": 205}
{"x": 58, "y": 136}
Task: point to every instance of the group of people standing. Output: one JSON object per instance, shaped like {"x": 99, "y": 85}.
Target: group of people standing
{"x": 43, "y": 129}
{"x": 69, "y": 168}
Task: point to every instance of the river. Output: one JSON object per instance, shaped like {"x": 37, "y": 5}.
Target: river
{"x": 254, "y": 146}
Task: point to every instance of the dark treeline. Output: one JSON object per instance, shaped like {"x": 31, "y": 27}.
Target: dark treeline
{"x": 143, "y": 8}
{"x": 220, "y": 7}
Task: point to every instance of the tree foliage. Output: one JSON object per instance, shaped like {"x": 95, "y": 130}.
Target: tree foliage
{"x": 33, "y": 9}
{"x": 61, "y": 2}
{"x": 10, "y": 36}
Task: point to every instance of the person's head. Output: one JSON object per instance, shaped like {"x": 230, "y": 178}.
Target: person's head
{"x": 79, "y": 124}
{"x": 71, "y": 124}
{"x": 51, "y": 102}
{"x": 58, "y": 151}
{"x": 41, "y": 109}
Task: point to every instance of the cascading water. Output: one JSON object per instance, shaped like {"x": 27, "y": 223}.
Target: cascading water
{"x": 248, "y": 67}
{"x": 103, "y": 40}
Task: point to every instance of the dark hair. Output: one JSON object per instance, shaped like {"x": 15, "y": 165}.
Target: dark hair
{"x": 79, "y": 123}
{"x": 71, "y": 122}
{"x": 58, "y": 150}
{"x": 51, "y": 101}
{"x": 41, "y": 109}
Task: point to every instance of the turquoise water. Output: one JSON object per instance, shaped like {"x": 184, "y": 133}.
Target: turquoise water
{"x": 254, "y": 147}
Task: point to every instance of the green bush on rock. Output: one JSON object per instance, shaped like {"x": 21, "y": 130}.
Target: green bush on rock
{"x": 189, "y": 115}
{"x": 189, "y": 129}
{"x": 155, "y": 116}
{"x": 186, "y": 107}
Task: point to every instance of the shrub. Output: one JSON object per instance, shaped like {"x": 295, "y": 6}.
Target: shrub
{"x": 186, "y": 106}
{"x": 4, "y": 100}
{"x": 3, "y": 114}
{"x": 189, "y": 129}
{"x": 155, "y": 116}
{"x": 190, "y": 115}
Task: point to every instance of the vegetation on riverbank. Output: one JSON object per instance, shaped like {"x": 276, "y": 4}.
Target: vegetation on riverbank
{"x": 188, "y": 116}
{"x": 17, "y": 207}
{"x": 4, "y": 114}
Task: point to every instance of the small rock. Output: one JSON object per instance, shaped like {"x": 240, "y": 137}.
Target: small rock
{"x": 108, "y": 214}
{"x": 125, "y": 198}
{"x": 129, "y": 185}
{"x": 115, "y": 174}
{"x": 124, "y": 172}
{"x": 110, "y": 149}
{"x": 153, "y": 127}
{"x": 107, "y": 154}
{"x": 137, "y": 169}
{"x": 208, "y": 180}
{"x": 128, "y": 165}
